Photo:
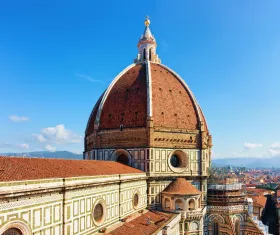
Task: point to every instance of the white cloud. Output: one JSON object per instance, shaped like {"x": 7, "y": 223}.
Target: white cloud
{"x": 88, "y": 78}
{"x": 249, "y": 146}
{"x": 23, "y": 146}
{"x": 77, "y": 152}
{"x": 50, "y": 148}
{"x": 16, "y": 118}
{"x": 58, "y": 134}
{"x": 39, "y": 137}
{"x": 274, "y": 153}
{"x": 5, "y": 145}
{"x": 275, "y": 146}
{"x": 274, "y": 149}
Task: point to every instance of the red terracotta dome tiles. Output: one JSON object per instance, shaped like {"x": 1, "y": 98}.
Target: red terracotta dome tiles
{"x": 180, "y": 186}
{"x": 90, "y": 125}
{"x": 127, "y": 101}
{"x": 172, "y": 105}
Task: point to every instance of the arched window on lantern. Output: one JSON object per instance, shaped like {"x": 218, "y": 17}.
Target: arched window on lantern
{"x": 144, "y": 54}
{"x": 150, "y": 54}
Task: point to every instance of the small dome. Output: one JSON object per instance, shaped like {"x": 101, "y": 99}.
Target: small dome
{"x": 180, "y": 186}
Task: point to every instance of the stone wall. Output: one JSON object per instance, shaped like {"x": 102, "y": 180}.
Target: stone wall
{"x": 44, "y": 206}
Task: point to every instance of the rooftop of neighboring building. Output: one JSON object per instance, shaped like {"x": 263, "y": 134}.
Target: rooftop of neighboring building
{"x": 258, "y": 191}
{"x": 180, "y": 186}
{"x": 259, "y": 200}
{"x": 21, "y": 168}
{"x": 146, "y": 223}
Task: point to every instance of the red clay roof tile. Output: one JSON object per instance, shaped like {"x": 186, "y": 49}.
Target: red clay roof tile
{"x": 21, "y": 168}
{"x": 140, "y": 225}
{"x": 259, "y": 200}
{"x": 182, "y": 187}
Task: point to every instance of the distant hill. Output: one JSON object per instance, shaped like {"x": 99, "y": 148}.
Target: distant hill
{"x": 248, "y": 162}
{"x": 46, "y": 154}
{"x": 238, "y": 162}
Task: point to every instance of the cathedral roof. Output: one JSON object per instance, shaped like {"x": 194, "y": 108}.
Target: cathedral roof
{"x": 147, "y": 223}
{"x": 181, "y": 186}
{"x": 21, "y": 168}
{"x": 259, "y": 200}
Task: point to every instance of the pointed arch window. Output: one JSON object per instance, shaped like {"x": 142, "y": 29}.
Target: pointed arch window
{"x": 150, "y": 54}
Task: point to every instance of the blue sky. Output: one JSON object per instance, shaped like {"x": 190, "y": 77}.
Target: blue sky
{"x": 57, "y": 57}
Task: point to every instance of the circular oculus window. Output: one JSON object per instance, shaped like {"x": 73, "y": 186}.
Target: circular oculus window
{"x": 175, "y": 161}
{"x": 178, "y": 161}
{"x": 12, "y": 231}
{"x": 136, "y": 200}
{"x": 98, "y": 213}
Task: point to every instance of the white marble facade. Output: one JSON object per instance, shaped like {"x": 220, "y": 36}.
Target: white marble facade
{"x": 65, "y": 206}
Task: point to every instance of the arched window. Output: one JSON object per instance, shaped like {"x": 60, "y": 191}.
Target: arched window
{"x": 191, "y": 204}
{"x": 123, "y": 159}
{"x": 150, "y": 54}
{"x": 194, "y": 226}
{"x": 215, "y": 228}
{"x": 144, "y": 54}
{"x": 167, "y": 203}
{"x": 12, "y": 231}
{"x": 237, "y": 227}
{"x": 179, "y": 205}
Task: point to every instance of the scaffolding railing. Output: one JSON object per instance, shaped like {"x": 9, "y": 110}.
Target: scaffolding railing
{"x": 225, "y": 187}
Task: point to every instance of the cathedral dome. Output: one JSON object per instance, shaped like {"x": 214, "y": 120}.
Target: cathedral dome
{"x": 147, "y": 94}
